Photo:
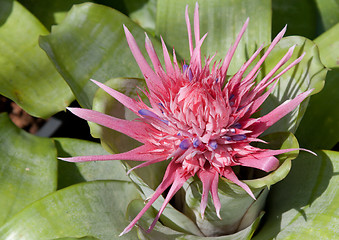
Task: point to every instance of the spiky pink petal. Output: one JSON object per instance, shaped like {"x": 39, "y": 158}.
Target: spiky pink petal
{"x": 133, "y": 129}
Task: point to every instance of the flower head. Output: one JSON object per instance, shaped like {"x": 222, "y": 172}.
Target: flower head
{"x": 198, "y": 119}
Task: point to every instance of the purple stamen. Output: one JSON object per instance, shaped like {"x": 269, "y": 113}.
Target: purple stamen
{"x": 213, "y": 144}
{"x": 239, "y": 137}
{"x": 147, "y": 113}
{"x": 196, "y": 142}
{"x": 236, "y": 125}
{"x": 216, "y": 80}
{"x": 231, "y": 97}
{"x": 184, "y": 145}
{"x": 190, "y": 74}
{"x": 184, "y": 68}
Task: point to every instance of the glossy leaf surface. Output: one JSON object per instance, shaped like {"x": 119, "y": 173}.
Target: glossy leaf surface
{"x": 28, "y": 168}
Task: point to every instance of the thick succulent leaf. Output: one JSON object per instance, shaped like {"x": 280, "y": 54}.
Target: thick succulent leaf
{"x": 28, "y": 168}
{"x": 94, "y": 209}
{"x": 309, "y": 73}
{"x": 319, "y": 128}
{"x": 143, "y": 12}
{"x": 329, "y": 12}
{"x": 222, "y": 20}
{"x": 328, "y": 44}
{"x": 90, "y": 43}
{"x": 238, "y": 209}
{"x": 289, "y": 12}
{"x": 306, "y": 204}
{"x": 71, "y": 173}
{"x": 279, "y": 140}
{"x": 26, "y": 75}
{"x": 50, "y": 12}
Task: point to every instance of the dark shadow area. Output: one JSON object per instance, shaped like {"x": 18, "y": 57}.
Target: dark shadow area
{"x": 307, "y": 181}
{"x": 68, "y": 173}
{"x": 6, "y": 7}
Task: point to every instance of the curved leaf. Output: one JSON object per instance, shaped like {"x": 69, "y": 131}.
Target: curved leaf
{"x": 309, "y": 73}
{"x": 319, "y": 128}
{"x": 222, "y": 20}
{"x": 26, "y": 75}
{"x": 88, "y": 209}
{"x": 329, "y": 12}
{"x": 71, "y": 173}
{"x": 328, "y": 44}
{"x": 90, "y": 43}
{"x": 28, "y": 168}
{"x": 306, "y": 204}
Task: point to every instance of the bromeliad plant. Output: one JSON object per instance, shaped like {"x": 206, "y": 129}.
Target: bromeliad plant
{"x": 217, "y": 131}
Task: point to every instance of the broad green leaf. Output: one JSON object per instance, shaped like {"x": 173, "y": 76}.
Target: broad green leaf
{"x": 96, "y": 209}
{"x": 287, "y": 12}
{"x": 306, "y": 204}
{"x": 329, "y": 12}
{"x": 143, "y": 12}
{"x": 310, "y": 73}
{"x": 90, "y": 43}
{"x": 222, "y": 19}
{"x": 28, "y": 168}
{"x": 26, "y": 75}
{"x": 319, "y": 129}
{"x": 71, "y": 173}
{"x": 50, "y": 12}
{"x": 238, "y": 209}
{"x": 328, "y": 44}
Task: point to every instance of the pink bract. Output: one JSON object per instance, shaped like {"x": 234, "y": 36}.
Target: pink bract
{"x": 199, "y": 122}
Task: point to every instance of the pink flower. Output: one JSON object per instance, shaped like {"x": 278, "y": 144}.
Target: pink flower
{"x": 202, "y": 125}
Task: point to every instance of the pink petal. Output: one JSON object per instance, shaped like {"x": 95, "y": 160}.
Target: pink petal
{"x": 230, "y": 175}
{"x": 123, "y": 99}
{"x": 141, "y": 153}
{"x": 230, "y": 53}
{"x": 168, "y": 179}
{"x": 189, "y": 31}
{"x": 209, "y": 181}
{"x": 276, "y": 114}
{"x": 266, "y": 164}
{"x": 153, "y": 81}
{"x": 136, "y": 130}
{"x": 168, "y": 63}
{"x": 153, "y": 55}
{"x": 179, "y": 179}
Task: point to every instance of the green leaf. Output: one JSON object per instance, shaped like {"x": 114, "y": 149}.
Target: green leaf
{"x": 306, "y": 204}
{"x": 328, "y": 44}
{"x": 50, "y": 12}
{"x": 71, "y": 173}
{"x": 87, "y": 209}
{"x": 222, "y": 19}
{"x": 28, "y": 168}
{"x": 309, "y": 73}
{"x": 329, "y": 12}
{"x": 143, "y": 12}
{"x": 319, "y": 128}
{"x": 287, "y": 12}
{"x": 90, "y": 43}
{"x": 26, "y": 75}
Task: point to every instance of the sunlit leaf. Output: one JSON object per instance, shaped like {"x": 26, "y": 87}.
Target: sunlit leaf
{"x": 26, "y": 74}
{"x": 90, "y": 43}
{"x": 96, "y": 209}
{"x": 329, "y": 12}
{"x": 306, "y": 204}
